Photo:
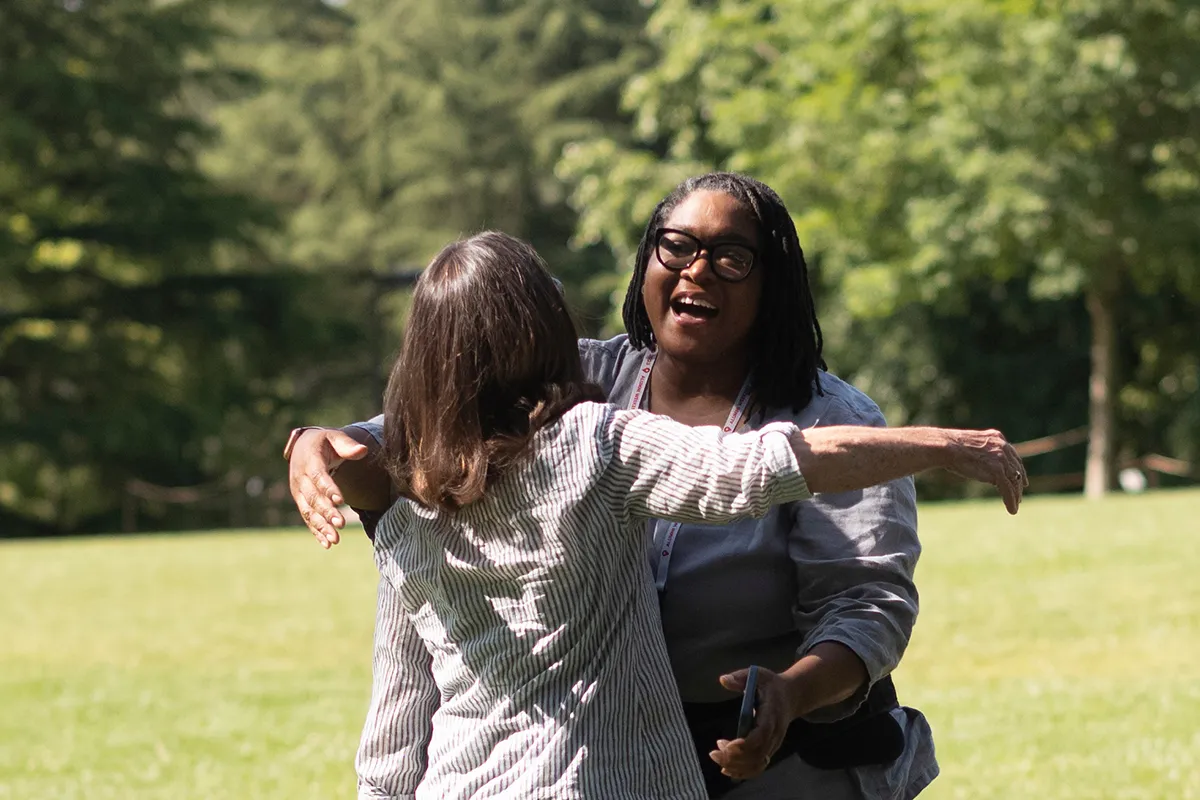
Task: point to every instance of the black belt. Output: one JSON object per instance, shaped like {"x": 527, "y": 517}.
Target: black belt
{"x": 868, "y": 736}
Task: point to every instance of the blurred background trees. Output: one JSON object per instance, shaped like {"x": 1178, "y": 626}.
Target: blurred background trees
{"x": 209, "y": 212}
{"x": 140, "y": 335}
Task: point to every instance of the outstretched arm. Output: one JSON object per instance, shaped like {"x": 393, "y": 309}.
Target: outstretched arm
{"x": 668, "y": 470}
{"x": 844, "y": 458}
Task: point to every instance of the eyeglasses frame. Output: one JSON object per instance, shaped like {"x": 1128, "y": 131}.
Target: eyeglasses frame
{"x": 702, "y": 247}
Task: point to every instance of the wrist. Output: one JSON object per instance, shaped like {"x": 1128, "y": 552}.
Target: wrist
{"x": 294, "y": 439}
{"x": 799, "y": 690}
{"x": 950, "y": 450}
{"x": 826, "y": 675}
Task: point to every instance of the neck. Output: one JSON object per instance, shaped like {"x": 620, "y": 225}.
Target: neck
{"x": 707, "y": 388}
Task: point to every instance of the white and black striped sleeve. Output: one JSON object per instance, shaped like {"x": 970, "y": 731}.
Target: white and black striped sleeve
{"x": 668, "y": 470}
{"x": 391, "y": 756}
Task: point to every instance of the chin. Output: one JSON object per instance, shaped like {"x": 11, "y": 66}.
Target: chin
{"x": 697, "y": 347}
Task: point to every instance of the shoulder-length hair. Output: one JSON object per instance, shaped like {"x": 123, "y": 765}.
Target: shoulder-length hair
{"x": 490, "y": 356}
{"x": 786, "y": 343}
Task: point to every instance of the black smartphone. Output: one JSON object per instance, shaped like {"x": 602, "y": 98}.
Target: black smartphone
{"x": 746, "y": 717}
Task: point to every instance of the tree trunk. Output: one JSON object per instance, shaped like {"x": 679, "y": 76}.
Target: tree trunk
{"x": 1102, "y": 386}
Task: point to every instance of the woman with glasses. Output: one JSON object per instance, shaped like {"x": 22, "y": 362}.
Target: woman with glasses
{"x": 819, "y": 595}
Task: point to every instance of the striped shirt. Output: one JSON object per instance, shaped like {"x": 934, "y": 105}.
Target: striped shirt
{"x": 518, "y": 646}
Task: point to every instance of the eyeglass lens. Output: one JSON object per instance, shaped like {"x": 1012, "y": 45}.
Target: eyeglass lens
{"x": 677, "y": 250}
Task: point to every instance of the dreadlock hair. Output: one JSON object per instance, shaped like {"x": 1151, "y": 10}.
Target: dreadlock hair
{"x": 786, "y": 343}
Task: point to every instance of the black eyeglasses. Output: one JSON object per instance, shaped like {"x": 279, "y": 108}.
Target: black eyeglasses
{"x": 677, "y": 250}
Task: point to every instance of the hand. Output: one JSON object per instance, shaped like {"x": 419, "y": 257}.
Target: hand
{"x": 986, "y": 456}
{"x": 748, "y": 758}
{"x": 317, "y": 497}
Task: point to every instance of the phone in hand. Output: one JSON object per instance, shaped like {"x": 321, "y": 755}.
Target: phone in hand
{"x": 746, "y": 717}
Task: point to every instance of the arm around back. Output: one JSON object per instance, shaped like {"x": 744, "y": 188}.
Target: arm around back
{"x": 361, "y": 482}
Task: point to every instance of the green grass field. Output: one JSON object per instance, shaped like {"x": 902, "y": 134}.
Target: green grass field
{"x": 1057, "y": 656}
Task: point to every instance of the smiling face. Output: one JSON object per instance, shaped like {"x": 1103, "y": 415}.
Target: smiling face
{"x": 696, "y": 316}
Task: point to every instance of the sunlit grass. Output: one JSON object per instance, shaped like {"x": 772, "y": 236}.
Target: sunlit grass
{"x": 200, "y": 666}
{"x": 1057, "y": 656}
{"x": 1058, "y": 652}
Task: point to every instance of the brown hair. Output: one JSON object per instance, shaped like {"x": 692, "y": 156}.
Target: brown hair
{"x": 490, "y": 356}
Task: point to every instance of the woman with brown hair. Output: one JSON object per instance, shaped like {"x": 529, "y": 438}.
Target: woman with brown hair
{"x": 722, "y": 332}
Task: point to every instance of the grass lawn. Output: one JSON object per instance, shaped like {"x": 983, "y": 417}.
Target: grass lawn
{"x": 1057, "y": 656}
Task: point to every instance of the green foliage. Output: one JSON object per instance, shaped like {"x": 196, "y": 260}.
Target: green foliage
{"x": 197, "y": 202}
{"x": 412, "y": 123}
{"x": 126, "y": 341}
{"x": 930, "y": 151}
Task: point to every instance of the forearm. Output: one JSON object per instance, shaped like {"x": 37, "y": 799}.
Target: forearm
{"x": 843, "y": 458}
{"x": 828, "y": 674}
{"x": 364, "y": 484}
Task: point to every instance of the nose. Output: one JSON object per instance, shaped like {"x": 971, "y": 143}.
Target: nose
{"x": 700, "y": 270}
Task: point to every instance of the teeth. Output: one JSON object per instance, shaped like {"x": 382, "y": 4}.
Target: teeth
{"x": 696, "y": 301}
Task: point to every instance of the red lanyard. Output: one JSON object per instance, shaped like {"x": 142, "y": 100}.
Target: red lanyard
{"x": 731, "y": 424}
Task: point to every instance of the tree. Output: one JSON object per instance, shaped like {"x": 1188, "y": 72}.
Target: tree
{"x": 927, "y": 147}
{"x": 129, "y": 339}
{"x": 412, "y": 123}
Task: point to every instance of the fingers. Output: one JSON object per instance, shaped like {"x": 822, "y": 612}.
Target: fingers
{"x": 1002, "y": 467}
{"x": 313, "y": 490}
{"x": 749, "y": 757}
{"x": 345, "y": 447}
{"x": 740, "y": 760}
{"x": 737, "y": 761}
{"x": 302, "y": 490}
{"x": 323, "y": 497}
{"x": 735, "y": 681}
{"x": 1011, "y": 493}
{"x": 1008, "y": 480}
{"x": 315, "y": 523}
{"x": 1020, "y": 467}
{"x": 760, "y": 745}
{"x": 1016, "y": 479}
{"x": 318, "y": 513}
{"x": 325, "y": 513}
{"x": 327, "y": 497}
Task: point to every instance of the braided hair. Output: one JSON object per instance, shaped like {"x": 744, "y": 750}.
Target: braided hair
{"x": 786, "y": 343}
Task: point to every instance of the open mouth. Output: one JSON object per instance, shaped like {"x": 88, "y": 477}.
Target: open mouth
{"x": 689, "y": 308}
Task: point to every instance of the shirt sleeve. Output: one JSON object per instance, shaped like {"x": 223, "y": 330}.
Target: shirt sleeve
{"x": 391, "y": 756}
{"x": 367, "y": 517}
{"x": 373, "y": 426}
{"x": 854, "y": 555}
{"x": 661, "y": 468}
{"x": 602, "y": 361}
